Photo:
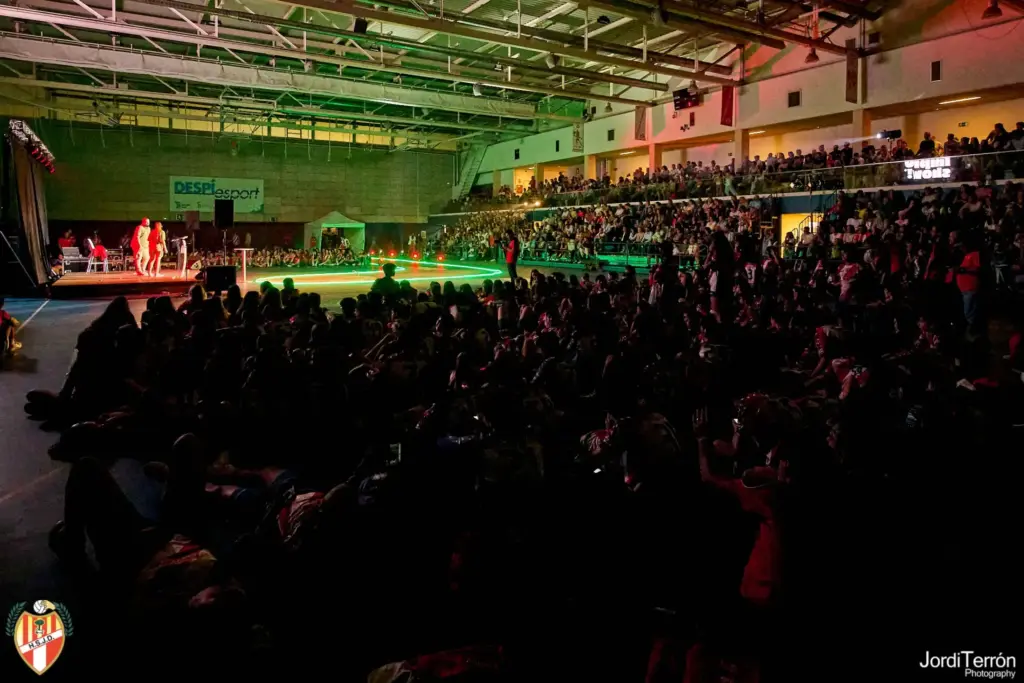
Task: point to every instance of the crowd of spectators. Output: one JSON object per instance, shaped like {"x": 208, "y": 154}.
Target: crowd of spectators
{"x": 692, "y": 474}
{"x": 279, "y": 257}
{"x": 778, "y": 172}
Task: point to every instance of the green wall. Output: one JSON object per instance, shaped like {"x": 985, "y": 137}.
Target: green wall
{"x": 122, "y": 174}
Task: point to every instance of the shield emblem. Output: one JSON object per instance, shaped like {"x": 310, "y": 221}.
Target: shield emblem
{"x": 39, "y": 634}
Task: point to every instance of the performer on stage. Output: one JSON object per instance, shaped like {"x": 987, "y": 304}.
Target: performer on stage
{"x": 140, "y": 247}
{"x": 157, "y": 248}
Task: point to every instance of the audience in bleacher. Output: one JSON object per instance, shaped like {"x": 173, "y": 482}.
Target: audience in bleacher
{"x": 760, "y": 176}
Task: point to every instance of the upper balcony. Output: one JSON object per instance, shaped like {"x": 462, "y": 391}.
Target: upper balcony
{"x": 993, "y": 167}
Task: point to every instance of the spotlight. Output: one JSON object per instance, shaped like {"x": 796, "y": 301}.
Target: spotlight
{"x": 477, "y": 90}
{"x": 890, "y": 134}
{"x": 604, "y": 20}
{"x": 608, "y": 108}
{"x": 440, "y": 257}
{"x": 992, "y": 11}
{"x": 416, "y": 256}
{"x": 551, "y": 60}
{"x": 391, "y": 253}
{"x": 812, "y": 57}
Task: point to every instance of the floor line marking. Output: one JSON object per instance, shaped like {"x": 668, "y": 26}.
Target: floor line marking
{"x": 25, "y": 488}
{"x": 34, "y": 314}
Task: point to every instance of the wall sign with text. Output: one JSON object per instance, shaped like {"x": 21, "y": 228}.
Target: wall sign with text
{"x": 194, "y": 193}
{"x": 937, "y": 168}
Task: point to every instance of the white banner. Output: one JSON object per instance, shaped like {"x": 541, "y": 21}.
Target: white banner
{"x": 190, "y": 193}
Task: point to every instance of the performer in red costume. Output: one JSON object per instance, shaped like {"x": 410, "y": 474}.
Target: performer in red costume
{"x": 140, "y": 246}
{"x": 157, "y": 248}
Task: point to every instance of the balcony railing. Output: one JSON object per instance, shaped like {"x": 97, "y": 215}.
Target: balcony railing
{"x": 928, "y": 171}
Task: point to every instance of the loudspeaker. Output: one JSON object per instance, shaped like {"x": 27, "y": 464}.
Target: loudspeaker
{"x": 361, "y": 25}
{"x": 219, "y": 278}
{"x": 224, "y": 213}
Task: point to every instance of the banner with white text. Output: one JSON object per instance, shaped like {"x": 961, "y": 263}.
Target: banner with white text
{"x": 195, "y": 193}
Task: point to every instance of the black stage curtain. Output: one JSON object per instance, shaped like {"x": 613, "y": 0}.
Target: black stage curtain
{"x": 31, "y": 201}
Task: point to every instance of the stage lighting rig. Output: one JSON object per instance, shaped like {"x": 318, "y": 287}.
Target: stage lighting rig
{"x": 19, "y": 132}
{"x": 890, "y": 135}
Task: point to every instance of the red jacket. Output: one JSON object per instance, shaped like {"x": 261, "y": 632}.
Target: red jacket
{"x": 512, "y": 251}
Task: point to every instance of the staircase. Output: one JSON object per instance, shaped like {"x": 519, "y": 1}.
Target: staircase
{"x": 468, "y": 169}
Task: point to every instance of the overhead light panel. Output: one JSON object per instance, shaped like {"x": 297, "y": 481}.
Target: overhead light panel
{"x": 756, "y": 132}
{"x": 962, "y": 99}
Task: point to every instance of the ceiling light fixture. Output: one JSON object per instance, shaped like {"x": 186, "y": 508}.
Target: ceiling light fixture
{"x": 756, "y": 132}
{"x": 992, "y": 11}
{"x": 962, "y": 99}
{"x": 626, "y": 154}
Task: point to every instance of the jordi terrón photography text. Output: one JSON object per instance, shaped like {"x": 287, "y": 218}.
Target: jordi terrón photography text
{"x": 973, "y": 665}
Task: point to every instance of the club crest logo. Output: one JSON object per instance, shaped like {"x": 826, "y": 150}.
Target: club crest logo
{"x": 39, "y": 633}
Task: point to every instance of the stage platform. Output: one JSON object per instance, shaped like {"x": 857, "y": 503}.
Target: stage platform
{"x": 92, "y": 285}
{"x": 327, "y": 281}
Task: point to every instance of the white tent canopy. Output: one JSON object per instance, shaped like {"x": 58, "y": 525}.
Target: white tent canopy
{"x": 353, "y": 230}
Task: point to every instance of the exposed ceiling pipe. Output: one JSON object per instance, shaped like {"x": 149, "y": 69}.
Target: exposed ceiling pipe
{"x": 713, "y": 20}
{"x": 525, "y": 42}
{"x": 688, "y": 26}
{"x": 172, "y": 36}
{"x": 521, "y": 65}
{"x": 577, "y": 41}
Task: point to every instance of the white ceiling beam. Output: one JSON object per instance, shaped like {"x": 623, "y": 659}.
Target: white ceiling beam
{"x": 474, "y": 6}
{"x": 268, "y": 108}
{"x": 154, "y": 44}
{"x": 150, "y": 64}
{"x": 196, "y": 27}
{"x": 511, "y": 109}
{"x": 68, "y": 35}
{"x": 237, "y": 118}
{"x": 90, "y": 10}
{"x": 150, "y": 20}
{"x": 272, "y": 28}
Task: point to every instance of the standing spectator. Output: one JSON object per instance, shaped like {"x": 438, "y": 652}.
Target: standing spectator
{"x": 927, "y": 148}
{"x": 512, "y": 255}
{"x": 967, "y": 280}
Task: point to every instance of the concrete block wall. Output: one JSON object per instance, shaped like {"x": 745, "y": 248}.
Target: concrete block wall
{"x": 123, "y": 174}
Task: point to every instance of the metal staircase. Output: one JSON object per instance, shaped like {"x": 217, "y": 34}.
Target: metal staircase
{"x": 468, "y": 169}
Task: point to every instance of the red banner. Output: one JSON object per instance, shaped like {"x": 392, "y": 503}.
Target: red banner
{"x": 728, "y": 94}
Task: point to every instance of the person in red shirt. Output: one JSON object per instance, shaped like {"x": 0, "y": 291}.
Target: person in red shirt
{"x": 968, "y": 281}
{"x": 512, "y": 255}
